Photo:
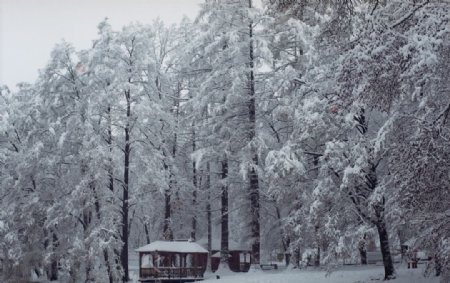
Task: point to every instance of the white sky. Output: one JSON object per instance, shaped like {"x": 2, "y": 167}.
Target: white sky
{"x": 30, "y": 28}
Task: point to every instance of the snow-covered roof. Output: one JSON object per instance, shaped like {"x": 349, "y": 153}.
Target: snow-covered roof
{"x": 215, "y": 245}
{"x": 175, "y": 247}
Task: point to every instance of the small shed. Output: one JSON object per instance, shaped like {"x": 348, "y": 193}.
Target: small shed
{"x": 172, "y": 261}
{"x": 239, "y": 256}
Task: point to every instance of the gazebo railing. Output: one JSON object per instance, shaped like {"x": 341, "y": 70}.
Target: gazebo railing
{"x": 171, "y": 272}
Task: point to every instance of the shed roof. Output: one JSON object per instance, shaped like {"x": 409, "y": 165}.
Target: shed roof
{"x": 174, "y": 247}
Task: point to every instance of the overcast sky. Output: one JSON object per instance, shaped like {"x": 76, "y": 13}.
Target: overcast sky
{"x": 30, "y": 28}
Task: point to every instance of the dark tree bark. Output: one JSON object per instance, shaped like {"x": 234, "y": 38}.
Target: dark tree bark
{"x": 437, "y": 265}
{"x": 287, "y": 258}
{"x": 380, "y": 223}
{"x": 147, "y": 233}
{"x": 194, "y": 217}
{"x": 194, "y": 193}
{"x": 224, "y": 252}
{"x": 363, "y": 255}
{"x": 87, "y": 216}
{"x": 253, "y": 174}
{"x": 389, "y": 271}
{"x": 297, "y": 258}
{"x": 317, "y": 243}
{"x": 317, "y": 258}
{"x": 167, "y": 231}
{"x": 385, "y": 251}
{"x": 105, "y": 251}
{"x": 109, "y": 141}
{"x": 125, "y": 196}
{"x": 53, "y": 271}
{"x": 208, "y": 214}
{"x": 362, "y": 248}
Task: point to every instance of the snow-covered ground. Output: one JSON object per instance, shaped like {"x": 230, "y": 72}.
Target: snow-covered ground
{"x": 354, "y": 274}
{"x": 346, "y": 274}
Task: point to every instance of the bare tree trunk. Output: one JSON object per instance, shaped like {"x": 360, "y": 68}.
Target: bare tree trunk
{"x": 380, "y": 223}
{"x": 147, "y": 233}
{"x": 87, "y": 218}
{"x": 167, "y": 231}
{"x": 317, "y": 243}
{"x": 125, "y": 197}
{"x": 53, "y": 272}
{"x": 287, "y": 254}
{"x": 194, "y": 182}
{"x": 108, "y": 266}
{"x": 437, "y": 265}
{"x": 285, "y": 240}
{"x": 224, "y": 252}
{"x": 105, "y": 251}
{"x": 362, "y": 248}
{"x": 109, "y": 141}
{"x": 253, "y": 174}
{"x": 317, "y": 259}
{"x": 389, "y": 271}
{"x": 297, "y": 257}
{"x": 208, "y": 215}
{"x": 385, "y": 251}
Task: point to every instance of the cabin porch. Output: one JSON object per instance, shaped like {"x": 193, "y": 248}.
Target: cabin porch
{"x": 171, "y": 274}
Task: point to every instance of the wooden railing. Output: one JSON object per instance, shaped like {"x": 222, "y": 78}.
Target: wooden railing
{"x": 171, "y": 272}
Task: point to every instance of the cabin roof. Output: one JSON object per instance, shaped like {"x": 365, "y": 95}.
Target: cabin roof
{"x": 173, "y": 247}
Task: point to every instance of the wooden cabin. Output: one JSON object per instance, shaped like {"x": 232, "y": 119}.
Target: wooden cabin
{"x": 239, "y": 256}
{"x": 172, "y": 261}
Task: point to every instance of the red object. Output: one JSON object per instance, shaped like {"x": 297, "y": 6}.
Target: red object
{"x": 334, "y": 109}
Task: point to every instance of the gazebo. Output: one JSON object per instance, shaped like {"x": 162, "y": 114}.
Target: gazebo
{"x": 166, "y": 261}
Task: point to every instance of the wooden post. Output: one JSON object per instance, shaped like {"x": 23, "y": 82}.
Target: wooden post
{"x": 180, "y": 262}
{"x": 140, "y": 265}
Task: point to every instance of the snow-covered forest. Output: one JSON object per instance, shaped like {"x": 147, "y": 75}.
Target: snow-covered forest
{"x": 310, "y": 129}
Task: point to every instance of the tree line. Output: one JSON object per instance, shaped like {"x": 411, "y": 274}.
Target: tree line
{"x": 300, "y": 126}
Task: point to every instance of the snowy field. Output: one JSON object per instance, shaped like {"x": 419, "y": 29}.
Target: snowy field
{"x": 348, "y": 274}
{"x": 345, "y": 275}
